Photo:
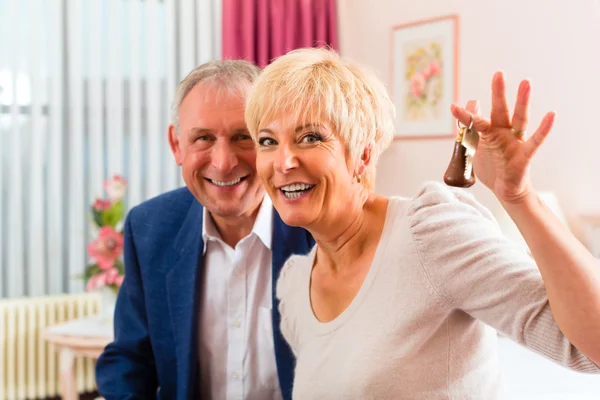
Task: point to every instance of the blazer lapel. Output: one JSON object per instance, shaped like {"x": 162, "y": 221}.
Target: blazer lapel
{"x": 182, "y": 288}
{"x": 286, "y": 242}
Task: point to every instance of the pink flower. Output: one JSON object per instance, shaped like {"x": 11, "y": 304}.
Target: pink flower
{"x": 119, "y": 280}
{"x": 417, "y": 84}
{"x": 96, "y": 281}
{"x": 107, "y": 248}
{"x": 111, "y": 275}
{"x": 102, "y": 205}
{"x": 432, "y": 69}
{"x": 91, "y": 284}
{"x": 115, "y": 187}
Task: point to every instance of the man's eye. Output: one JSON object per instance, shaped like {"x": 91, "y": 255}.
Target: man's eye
{"x": 244, "y": 137}
{"x": 203, "y": 138}
{"x": 264, "y": 142}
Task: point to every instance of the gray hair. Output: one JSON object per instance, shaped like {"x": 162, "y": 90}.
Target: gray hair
{"x": 229, "y": 75}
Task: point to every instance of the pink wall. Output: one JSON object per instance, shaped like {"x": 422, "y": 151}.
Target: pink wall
{"x": 555, "y": 43}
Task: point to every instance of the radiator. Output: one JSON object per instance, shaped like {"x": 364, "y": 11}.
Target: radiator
{"x": 29, "y": 364}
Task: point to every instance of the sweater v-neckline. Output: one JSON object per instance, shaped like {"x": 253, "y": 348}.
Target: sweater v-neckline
{"x": 329, "y": 326}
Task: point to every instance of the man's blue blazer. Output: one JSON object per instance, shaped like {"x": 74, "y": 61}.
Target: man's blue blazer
{"x": 156, "y": 316}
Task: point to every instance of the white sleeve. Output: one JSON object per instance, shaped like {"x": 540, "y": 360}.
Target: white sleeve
{"x": 475, "y": 268}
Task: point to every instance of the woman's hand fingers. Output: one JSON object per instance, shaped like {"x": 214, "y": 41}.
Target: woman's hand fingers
{"x": 464, "y": 116}
{"x": 500, "y": 116}
{"x": 536, "y": 140}
{"x": 472, "y": 107}
{"x": 520, "y": 117}
{"x": 504, "y": 155}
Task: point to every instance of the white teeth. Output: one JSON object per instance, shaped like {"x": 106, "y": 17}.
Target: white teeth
{"x": 230, "y": 183}
{"x": 296, "y": 186}
{"x": 295, "y": 190}
{"x": 292, "y": 195}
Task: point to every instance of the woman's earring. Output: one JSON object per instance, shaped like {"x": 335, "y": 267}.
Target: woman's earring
{"x": 357, "y": 178}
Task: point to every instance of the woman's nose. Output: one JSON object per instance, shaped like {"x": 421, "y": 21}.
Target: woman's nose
{"x": 285, "y": 159}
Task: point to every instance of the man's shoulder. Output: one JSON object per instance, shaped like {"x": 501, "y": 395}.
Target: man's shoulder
{"x": 176, "y": 198}
{"x": 167, "y": 209}
{"x": 300, "y": 238}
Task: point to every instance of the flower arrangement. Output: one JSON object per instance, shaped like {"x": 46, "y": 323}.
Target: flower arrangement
{"x": 107, "y": 268}
{"x": 425, "y": 81}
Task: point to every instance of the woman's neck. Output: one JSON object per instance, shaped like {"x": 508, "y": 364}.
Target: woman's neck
{"x": 353, "y": 229}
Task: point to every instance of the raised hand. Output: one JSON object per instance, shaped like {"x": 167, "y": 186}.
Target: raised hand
{"x": 504, "y": 152}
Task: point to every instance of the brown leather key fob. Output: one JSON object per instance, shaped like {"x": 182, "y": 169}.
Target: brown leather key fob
{"x": 460, "y": 170}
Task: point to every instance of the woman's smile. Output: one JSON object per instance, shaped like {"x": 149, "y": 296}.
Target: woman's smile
{"x": 296, "y": 191}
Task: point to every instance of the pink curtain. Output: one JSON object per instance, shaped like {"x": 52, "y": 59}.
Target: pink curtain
{"x": 261, "y": 30}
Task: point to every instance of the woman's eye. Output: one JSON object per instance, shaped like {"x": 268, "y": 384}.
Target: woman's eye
{"x": 311, "y": 138}
{"x": 264, "y": 142}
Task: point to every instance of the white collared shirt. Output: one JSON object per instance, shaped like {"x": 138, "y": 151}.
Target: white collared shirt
{"x": 236, "y": 352}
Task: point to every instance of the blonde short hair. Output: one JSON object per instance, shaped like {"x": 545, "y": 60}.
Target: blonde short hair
{"x": 315, "y": 84}
{"x": 231, "y": 76}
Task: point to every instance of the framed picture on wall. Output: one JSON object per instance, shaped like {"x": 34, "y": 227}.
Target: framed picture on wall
{"x": 424, "y": 77}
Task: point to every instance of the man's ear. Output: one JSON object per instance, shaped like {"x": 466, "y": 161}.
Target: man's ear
{"x": 174, "y": 143}
{"x": 365, "y": 160}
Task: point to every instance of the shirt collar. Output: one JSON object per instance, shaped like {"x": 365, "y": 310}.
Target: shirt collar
{"x": 263, "y": 225}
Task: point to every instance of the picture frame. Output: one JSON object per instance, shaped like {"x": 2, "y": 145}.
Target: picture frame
{"x": 424, "y": 77}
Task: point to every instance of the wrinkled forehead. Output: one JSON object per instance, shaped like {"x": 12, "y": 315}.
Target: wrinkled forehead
{"x": 209, "y": 109}
{"x": 218, "y": 93}
{"x": 211, "y": 96}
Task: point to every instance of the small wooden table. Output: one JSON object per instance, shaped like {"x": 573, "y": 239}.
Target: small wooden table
{"x": 74, "y": 339}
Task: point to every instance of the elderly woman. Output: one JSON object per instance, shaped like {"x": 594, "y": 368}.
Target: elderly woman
{"x": 401, "y": 297}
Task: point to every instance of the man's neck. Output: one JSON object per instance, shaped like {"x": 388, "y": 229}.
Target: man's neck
{"x": 234, "y": 229}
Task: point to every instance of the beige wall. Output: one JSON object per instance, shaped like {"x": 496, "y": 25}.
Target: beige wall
{"x": 555, "y": 43}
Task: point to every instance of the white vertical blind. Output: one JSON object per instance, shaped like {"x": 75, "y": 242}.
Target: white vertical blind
{"x": 85, "y": 93}
{"x": 95, "y": 57}
{"x": 15, "y": 248}
{"x": 134, "y": 148}
{"x": 115, "y": 91}
{"x": 57, "y": 200}
{"x": 187, "y": 17}
{"x": 186, "y": 37}
{"x": 216, "y": 24}
{"x": 3, "y": 154}
{"x": 156, "y": 137}
{"x": 172, "y": 171}
{"x": 37, "y": 143}
{"x": 75, "y": 134}
{"x": 204, "y": 44}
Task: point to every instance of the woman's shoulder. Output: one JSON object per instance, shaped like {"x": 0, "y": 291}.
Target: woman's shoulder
{"x": 292, "y": 286}
{"x": 294, "y": 271}
{"x": 437, "y": 210}
{"x": 435, "y": 200}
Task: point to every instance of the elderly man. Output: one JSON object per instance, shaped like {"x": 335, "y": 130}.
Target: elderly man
{"x": 196, "y": 315}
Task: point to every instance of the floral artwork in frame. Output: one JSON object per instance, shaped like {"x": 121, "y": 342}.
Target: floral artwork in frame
{"x": 424, "y": 71}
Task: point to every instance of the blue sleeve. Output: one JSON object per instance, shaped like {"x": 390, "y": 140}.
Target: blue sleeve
{"x": 126, "y": 369}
